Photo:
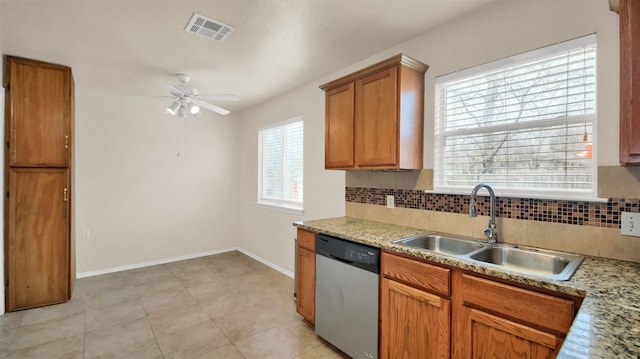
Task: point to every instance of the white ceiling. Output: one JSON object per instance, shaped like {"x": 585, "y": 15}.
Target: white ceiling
{"x": 132, "y": 47}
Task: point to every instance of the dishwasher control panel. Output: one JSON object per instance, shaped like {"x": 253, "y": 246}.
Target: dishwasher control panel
{"x": 355, "y": 254}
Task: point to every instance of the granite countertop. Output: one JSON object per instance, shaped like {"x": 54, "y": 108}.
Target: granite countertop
{"x": 607, "y": 324}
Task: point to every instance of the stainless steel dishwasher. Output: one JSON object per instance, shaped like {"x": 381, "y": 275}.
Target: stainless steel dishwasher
{"x": 347, "y": 287}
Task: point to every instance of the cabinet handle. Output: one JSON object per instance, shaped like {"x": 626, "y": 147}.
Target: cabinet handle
{"x": 66, "y": 141}
{"x": 65, "y": 195}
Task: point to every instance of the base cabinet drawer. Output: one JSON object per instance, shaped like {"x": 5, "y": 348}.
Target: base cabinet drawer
{"x": 539, "y": 309}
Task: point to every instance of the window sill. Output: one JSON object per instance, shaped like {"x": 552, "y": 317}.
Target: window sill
{"x": 280, "y": 208}
{"x": 532, "y": 195}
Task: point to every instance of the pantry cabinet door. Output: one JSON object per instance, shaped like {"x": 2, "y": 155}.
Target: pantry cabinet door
{"x": 38, "y": 237}
{"x": 38, "y": 114}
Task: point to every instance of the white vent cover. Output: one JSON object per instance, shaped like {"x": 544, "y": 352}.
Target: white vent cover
{"x": 212, "y": 29}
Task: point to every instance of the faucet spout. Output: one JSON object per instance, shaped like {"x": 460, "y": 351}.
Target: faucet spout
{"x": 491, "y": 230}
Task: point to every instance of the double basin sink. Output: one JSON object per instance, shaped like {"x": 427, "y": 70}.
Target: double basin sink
{"x": 531, "y": 261}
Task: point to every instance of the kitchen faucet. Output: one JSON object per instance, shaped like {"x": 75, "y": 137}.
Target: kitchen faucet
{"x": 490, "y": 231}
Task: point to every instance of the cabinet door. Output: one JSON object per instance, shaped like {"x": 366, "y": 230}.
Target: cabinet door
{"x": 489, "y": 336}
{"x": 38, "y": 113}
{"x": 414, "y": 323}
{"x": 38, "y": 237}
{"x": 630, "y": 82}
{"x": 306, "y": 284}
{"x": 338, "y": 152}
{"x": 376, "y": 120}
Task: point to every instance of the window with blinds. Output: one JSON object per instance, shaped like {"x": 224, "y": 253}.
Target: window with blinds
{"x": 524, "y": 125}
{"x": 280, "y": 179}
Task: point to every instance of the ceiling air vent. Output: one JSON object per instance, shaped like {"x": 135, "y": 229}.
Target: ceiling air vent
{"x": 212, "y": 29}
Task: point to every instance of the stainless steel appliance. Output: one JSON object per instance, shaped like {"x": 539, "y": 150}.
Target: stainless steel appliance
{"x": 347, "y": 287}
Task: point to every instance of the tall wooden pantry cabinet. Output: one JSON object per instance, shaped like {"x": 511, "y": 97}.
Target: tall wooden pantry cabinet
{"x": 39, "y": 236}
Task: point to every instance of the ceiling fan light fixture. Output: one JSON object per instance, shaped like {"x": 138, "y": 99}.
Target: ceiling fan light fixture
{"x": 182, "y": 112}
{"x": 174, "y": 107}
{"x": 188, "y": 101}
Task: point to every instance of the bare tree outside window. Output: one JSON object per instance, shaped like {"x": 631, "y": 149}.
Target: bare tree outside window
{"x": 520, "y": 126}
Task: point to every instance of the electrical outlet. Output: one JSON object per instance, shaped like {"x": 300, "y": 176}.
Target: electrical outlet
{"x": 85, "y": 234}
{"x": 390, "y": 201}
{"x": 630, "y": 224}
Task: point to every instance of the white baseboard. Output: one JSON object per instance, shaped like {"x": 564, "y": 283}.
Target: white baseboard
{"x": 176, "y": 259}
{"x": 267, "y": 263}
{"x": 152, "y": 263}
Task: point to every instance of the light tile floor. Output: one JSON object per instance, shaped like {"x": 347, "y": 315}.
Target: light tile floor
{"x": 222, "y": 306}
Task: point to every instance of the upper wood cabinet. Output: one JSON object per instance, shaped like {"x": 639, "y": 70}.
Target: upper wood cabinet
{"x": 38, "y": 113}
{"x": 339, "y": 127}
{"x": 629, "y": 81}
{"x": 375, "y": 117}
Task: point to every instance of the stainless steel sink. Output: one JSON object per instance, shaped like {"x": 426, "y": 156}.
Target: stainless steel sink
{"x": 446, "y": 245}
{"x": 545, "y": 263}
{"x": 532, "y": 261}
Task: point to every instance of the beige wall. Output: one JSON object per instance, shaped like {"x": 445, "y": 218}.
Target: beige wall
{"x": 497, "y": 31}
{"x": 139, "y": 200}
{"x": 269, "y": 233}
{"x": 508, "y": 28}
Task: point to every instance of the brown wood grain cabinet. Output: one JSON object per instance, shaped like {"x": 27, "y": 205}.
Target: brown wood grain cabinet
{"x": 428, "y": 310}
{"x": 414, "y": 316}
{"x": 629, "y": 11}
{"x": 39, "y": 242}
{"x": 374, "y": 118}
{"x": 38, "y": 228}
{"x": 339, "y": 127}
{"x": 506, "y": 321}
{"x": 306, "y": 275}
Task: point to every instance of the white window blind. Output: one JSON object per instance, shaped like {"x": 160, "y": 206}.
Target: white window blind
{"x": 523, "y": 124}
{"x": 281, "y": 154}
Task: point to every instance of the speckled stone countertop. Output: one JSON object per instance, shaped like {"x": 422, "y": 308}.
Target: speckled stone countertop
{"x": 607, "y": 324}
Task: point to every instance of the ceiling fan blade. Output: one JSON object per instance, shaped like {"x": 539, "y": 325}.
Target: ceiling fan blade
{"x": 213, "y": 108}
{"x": 172, "y": 90}
{"x": 219, "y": 97}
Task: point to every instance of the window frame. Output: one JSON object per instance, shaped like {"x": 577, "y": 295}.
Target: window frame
{"x": 505, "y": 63}
{"x": 289, "y": 206}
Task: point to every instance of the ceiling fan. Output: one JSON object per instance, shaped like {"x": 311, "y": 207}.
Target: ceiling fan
{"x": 188, "y": 100}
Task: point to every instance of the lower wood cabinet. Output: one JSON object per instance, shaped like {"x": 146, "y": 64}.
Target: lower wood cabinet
{"x": 306, "y": 275}
{"x": 491, "y": 336}
{"x": 428, "y": 310}
{"x": 414, "y": 323}
{"x": 505, "y": 321}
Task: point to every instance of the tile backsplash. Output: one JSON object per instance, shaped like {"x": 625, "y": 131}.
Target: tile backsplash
{"x": 597, "y": 214}
{"x": 584, "y": 227}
